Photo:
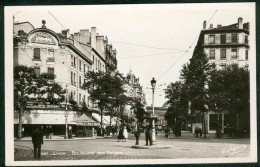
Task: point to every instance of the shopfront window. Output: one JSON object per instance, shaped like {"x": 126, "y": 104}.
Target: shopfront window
{"x": 215, "y": 121}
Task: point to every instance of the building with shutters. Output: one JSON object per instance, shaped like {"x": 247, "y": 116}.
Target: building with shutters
{"x": 69, "y": 57}
{"x": 224, "y": 46}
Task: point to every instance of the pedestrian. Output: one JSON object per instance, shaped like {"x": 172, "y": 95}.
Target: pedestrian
{"x": 120, "y": 134}
{"x": 147, "y": 135}
{"x": 37, "y": 140}
{"x": 23, "y": 132}
{"x": 167, "y": 133}
{"x": 125, "y": 133}
{"x": 51, "y": 132}
{"x": 200, "y": 132}
{"x": 137, "y": 135}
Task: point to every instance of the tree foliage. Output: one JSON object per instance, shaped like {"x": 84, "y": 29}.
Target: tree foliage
{"x": 107, "y": 90}
{"x": 229, "y": 90}
{"x": 139, "y": 111}
{"x": 31, "y": 87}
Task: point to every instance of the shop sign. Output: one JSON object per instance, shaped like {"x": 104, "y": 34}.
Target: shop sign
{"x": 88, "y": 123}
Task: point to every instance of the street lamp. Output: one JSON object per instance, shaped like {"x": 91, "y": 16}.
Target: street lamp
{"x": 66, "y": 116}
{"x": 153, "y": 116}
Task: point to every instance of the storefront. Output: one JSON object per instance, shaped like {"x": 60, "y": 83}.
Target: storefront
{"x": 224, "y": 120}
{"x": 85, "y": 126}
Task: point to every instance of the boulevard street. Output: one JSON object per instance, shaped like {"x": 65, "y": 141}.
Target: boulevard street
{"x": 186, "y": 146}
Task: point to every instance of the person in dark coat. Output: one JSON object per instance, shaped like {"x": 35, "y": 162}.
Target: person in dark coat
{"x": 148, "y": 135}
{"x": 37, "y": 140}
{"x": 137, "y": 136}
{"x": 121, "y": 134}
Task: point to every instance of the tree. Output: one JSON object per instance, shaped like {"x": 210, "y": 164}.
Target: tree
{"x": 105, "y": 89}
{"x": 139, "y": 112}
{"x": 177, "y": 96}
{"x": 27, "y": 85}
{"x": 229, "y": 91}
{"x": 195, "y": 76}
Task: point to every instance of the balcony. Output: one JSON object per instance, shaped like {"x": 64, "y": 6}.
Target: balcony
{"x": 50, "y": 59}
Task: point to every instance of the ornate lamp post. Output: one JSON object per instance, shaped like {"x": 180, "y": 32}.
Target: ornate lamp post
{"x": 153, "y": 116}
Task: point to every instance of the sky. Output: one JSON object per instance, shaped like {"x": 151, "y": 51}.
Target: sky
{"x": 152, "y": 40}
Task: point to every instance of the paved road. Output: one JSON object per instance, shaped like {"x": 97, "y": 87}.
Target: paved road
{"x": 109, "y": 148}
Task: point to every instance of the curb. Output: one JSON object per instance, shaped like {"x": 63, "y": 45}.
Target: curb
{"x": 149, "y": 147}
{"x": 74, "y": 139}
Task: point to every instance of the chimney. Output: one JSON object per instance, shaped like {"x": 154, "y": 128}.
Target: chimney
{"x": 211, "y": 26}
{"x": 204, "y": 24}
{"x": 93, "y": 37}
{"x": 66, "y": 33}
{"x": 240, "y": 23}
{"x": 219, "y": 25}
{"x": 76, "y": 37}
{"x": 84, "y": 36}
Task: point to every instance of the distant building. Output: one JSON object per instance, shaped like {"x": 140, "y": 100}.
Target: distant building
{"x": 160, "y": 111}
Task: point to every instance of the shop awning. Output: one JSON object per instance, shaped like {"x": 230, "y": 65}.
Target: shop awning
{"x": 85, "y": 120}
{"x": 97, "y": 117}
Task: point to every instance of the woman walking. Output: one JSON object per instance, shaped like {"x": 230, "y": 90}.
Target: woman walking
{"x": 125, "y": 133}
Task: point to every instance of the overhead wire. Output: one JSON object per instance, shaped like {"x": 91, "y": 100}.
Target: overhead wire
{"x": 186, "y": 50}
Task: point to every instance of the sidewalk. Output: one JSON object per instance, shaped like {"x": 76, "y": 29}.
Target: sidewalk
{"x": 60, "y": 138}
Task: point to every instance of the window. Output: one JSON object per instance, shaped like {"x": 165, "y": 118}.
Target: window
{"x": 79, "y": 80}
{"x": 234, "y": 65}
{"x": 212, "y": 39}
{"x": 71, "y": 95}
{"x": 74, "y": 78}
{"x": 223, "y": 53}
{"x": 79, "y": 65}
{"x": 246, "y": 39}
{"x": 79, "y": 97}
{"x": 234, "y": 38}
{"x": 37, "y": 53}
{"x": 72, "y": 60}
{"x": 50, "y": 70}
{"x": 234, "y": 53}
{"x": 223, "y": 66}
{"x": 223, "y": 38}
{"x": 71, "y": 77}
{"x": 84, "y": 68}
{"x": 212, "y": 54}
{"x": 214, "y": 121}
{"x": 246, "y": 54}
{"x": 37, "y": 71}
{"x": 51, "y": 53}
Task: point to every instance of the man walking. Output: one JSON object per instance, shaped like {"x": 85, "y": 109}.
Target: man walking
{"x": 37, "y": 140}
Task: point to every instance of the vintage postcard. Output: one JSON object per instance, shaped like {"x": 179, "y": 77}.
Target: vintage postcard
{"x": 130, "y": 84}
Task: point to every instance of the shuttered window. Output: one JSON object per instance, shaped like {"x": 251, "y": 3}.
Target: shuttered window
{"x": 223, "y": 53}
{"x": 51, "y": 70}
{"x": 223, "y": 39}
{"x": 234, "y": 38}
{"x": 36, "y": 53}
{"x": 37, "y": 71}
{"x": 212, "y": 54}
